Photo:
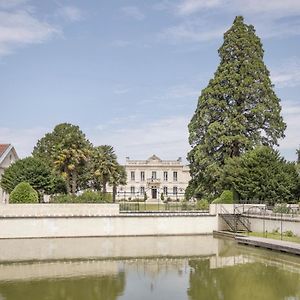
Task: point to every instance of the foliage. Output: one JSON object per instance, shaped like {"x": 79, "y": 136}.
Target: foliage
{"x": 66, "y": 150}
{"x": 86, "y": 197}
{"x": 36, "y": 173}
{"x": 225, "y": 198}
{"x": 202, "y": 204}
{"x": 289, "y": 233}
{"x": 105, "y": 169}
{"x": 281, "y": 208}
{"x": 236, "y": 111}
{"x": 24, "y": 193}
{"x": 262, "y": 175}
{"x": 162, "y": 197}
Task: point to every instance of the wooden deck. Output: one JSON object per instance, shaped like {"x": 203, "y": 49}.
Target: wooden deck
{"x": 283, "y": 246}
{"x": 267, "y": 243}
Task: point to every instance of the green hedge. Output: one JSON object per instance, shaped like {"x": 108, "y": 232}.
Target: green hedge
{"x": 225, "y": 198}
{"x": 24, "y": 193}
{"x": 85, "y": 197}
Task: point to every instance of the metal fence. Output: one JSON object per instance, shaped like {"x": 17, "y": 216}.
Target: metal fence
{"x": 159, "y": 207}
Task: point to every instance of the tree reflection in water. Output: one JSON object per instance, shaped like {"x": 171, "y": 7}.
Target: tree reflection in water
{"x": 242, "y": 282}
{"x": 86, "y": 288}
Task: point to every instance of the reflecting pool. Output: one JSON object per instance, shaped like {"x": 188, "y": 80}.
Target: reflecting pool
{"x": 142, "y": 268}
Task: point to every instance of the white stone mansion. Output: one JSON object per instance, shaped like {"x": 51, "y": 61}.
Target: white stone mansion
{"x": 154, "y": 177}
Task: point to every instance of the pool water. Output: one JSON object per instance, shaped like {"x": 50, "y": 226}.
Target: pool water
{"x": 142, "y": 268}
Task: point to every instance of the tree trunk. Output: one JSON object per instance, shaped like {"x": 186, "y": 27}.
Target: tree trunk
{"x": 114, "y": 193}
{"x": 104, "y": 186}
{"x": 74, "y": 183}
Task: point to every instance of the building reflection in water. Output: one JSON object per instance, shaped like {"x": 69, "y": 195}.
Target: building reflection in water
{"x": 221, "y": 270}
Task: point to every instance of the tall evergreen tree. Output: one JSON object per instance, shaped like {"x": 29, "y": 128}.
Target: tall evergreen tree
{"x": 236, "y": 111}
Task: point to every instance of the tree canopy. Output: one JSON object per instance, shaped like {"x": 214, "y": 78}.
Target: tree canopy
{"x": 262, "y": 175}
{"x": 236, "y": 111}
{"x": 66, "y": 150}
{"x": 35, "y": 172}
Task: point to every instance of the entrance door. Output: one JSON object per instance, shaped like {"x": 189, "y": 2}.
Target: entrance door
{"x": 154, "y": 193}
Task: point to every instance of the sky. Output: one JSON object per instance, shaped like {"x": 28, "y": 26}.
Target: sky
{"x": 129, "y": 73}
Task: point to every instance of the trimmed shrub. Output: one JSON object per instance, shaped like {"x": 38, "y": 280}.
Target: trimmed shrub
{"x": 225, "y": 198}
{"x": 24, "y": 193}
{"x": 86, "y": 197}
{"x": 202, "y": 204}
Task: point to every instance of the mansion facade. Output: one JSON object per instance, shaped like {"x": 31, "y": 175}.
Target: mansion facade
{"x": 153, "y": 177}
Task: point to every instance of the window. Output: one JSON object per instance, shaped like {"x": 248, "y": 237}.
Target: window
{"x": 153, "y": 174}
{"x": 175, "y": 191}
{"x": 132, "y": 190}
{"x": 132, "y": 175}
{"x": 165, "y": 190}
{"x": 165, "y": 176}
{"x": 174, "y": 176}
{"x": 142, "y": 190}
{"x": 142, "y": 176}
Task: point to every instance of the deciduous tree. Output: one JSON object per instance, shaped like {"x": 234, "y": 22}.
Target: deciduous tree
{"x": 66, "y": 150}
{"x": 262, "y": 175}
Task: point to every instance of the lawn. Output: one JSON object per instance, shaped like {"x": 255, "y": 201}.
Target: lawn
{"x": 276, "y": 236}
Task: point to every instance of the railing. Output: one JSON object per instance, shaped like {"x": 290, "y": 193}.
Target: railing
{"x": 153, "y": 181}
{"x": 144, "y": 207}
{"x": 236, "y": 221}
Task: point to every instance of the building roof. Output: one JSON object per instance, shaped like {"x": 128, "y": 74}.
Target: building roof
{"x": 3, "y": 148}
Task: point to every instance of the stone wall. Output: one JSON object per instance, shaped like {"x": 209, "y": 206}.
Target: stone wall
{"x": 57, "y": 210}
{"x": 92, "y": 226}
{"x": 260, "y": 223}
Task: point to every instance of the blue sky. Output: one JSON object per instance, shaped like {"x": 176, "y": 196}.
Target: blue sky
{"x": 129, "y": 72}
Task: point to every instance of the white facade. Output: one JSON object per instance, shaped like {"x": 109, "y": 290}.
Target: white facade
{"x": 8, "y": 156}
{"x": 154, "y": 177}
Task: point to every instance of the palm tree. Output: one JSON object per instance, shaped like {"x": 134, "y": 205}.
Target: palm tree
{"x": 118, "y": 177}
{"x": 104, "y": 165}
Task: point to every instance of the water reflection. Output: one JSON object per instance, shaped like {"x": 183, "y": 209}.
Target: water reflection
{"x": 198, "y": 268}
{"x": 100, "y": 288}
{"x": 248, "y": 281}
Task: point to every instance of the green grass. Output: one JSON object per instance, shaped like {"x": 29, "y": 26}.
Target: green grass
{"x": 276, "y": 236}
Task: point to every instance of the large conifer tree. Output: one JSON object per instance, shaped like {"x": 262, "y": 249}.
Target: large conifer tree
{"x": 236, "y": 111}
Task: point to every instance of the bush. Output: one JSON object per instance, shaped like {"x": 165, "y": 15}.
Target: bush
{"x": 202, "y": 204}
{"x": 225, "y": 198}
{"x": 86, "y": 197}
{"x": 289, "y": 233}
{"x": 281, "y": 208}
{"x": 24, "y": 193}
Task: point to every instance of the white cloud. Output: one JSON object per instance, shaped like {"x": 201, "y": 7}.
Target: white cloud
{"x": 11, "y": 3}
{"x": 133, "y": 12}
{"x": 166, "y": 137}
{"x": 20, "y": 28}
{"x": 291, "y": 142}
{"x": 192, "y": 31}
{"x": 287, "y": 74}
{"x": 22, "y": 139}
{"x": 70, "y": 13}
{"x": 202, "y": 20}
{"x": 187, "y": 7}
{"x": 270, "y": 7}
